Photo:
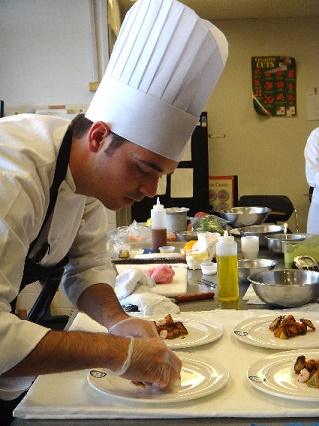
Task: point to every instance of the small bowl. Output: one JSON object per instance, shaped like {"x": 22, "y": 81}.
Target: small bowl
{"x": 248, "y": 267}
{"x": 167, "y": 249}
{"x": 287, "y": 288}
{"x": 261, "y": 231}
{"x": 275, "y": 242}
{"x": 208, "y": 268}
{"x": 186, "y": 235}
{"x": 245, "y": 216}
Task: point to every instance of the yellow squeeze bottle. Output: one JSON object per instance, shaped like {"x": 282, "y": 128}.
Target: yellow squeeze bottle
{"x": 227, "y": 268}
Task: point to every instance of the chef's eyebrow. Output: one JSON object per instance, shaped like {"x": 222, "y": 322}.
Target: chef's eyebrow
{"x": 152, "y": 166}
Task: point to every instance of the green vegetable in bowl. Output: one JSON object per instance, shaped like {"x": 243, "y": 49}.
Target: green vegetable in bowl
{"x": 210, "y": 223}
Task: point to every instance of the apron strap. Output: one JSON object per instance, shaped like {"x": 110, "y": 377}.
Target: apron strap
{"x": 32, "y": 270}
{"x": 59, "y": 175}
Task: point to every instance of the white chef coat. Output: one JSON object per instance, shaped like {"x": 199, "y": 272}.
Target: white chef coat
{"x": 29, "y": 146}
{"x": 312, "y": 175}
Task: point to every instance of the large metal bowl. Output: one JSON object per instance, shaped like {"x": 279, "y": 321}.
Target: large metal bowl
{"x": 275, "y": 241}
{"x": 248, "y": 267}
{"x": 286, "y": 288}
{"x": 261, "y": 231}
{"x": 245, "y": 216}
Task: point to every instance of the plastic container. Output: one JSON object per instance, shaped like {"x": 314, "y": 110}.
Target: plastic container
{"x": 227, "y": 268}
{"x": 208, "y": 268}
{"x": 159, "y": 230}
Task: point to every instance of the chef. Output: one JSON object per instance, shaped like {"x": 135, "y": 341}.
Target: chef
{"x": 311, "y": 153}
{"x": 57, "y": 178}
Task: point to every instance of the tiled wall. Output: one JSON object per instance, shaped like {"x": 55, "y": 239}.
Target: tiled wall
{"x": 60, "y": 304}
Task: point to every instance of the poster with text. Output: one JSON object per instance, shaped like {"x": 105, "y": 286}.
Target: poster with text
{"x": 223, "y": 192}
{"x": 274, "y": 85}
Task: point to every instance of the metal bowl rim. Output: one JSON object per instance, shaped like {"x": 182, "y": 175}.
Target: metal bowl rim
{"x": 262, "y": 210}
{"x": 257, "y": 228}
{"x": 269, "y": 262}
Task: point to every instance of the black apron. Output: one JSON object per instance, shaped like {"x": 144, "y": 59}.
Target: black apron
{"x": 33, "y": 271}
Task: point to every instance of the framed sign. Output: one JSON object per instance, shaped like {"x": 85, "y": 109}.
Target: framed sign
{"x": 274, "y": 85}
{"x": 223, "y": 192}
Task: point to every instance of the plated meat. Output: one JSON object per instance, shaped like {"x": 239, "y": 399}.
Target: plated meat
{"x": 286, "y": 326}
{"x": 167, "y": 328}
{"x": 307, "y": 370}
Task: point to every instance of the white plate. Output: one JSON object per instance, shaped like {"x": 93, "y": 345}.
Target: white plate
{"x": 255, "y": 331}
{"x": 199, "y": 332}
{"x": 275, "y": 375}
{"x": 199, "y": 377}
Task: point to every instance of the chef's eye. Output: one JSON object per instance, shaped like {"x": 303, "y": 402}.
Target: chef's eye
{"x": 144, "y": 170}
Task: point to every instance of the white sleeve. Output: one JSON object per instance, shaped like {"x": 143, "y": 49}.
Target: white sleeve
{"x": 89, "y": 261}
{"x": 311, "y": 153}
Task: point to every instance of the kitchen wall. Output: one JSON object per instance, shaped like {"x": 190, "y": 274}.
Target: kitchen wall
{"x": 265, "y": 153}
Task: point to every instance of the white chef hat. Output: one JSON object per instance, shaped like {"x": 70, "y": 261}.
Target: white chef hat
{"x": 163, "y": 68}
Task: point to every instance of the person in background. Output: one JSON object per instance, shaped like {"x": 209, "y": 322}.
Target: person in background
{"x": 163, "y": 68}
{"x": 311, "y": 153}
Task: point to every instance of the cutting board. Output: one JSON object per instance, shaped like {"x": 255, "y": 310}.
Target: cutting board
{"x": 176, "y": 287}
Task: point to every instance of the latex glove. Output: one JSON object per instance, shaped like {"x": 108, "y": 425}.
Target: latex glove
{"x": 122, "y": 369}
{"x": 152, "y": 362}
{"x": 135, "y": 327}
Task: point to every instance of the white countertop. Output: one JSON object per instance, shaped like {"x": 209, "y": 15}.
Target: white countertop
{"x": 69, "y": 395}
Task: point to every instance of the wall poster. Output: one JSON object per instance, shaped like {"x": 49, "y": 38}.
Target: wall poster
{"x": 274, "y": 85}
{"x": 223, "y": 193}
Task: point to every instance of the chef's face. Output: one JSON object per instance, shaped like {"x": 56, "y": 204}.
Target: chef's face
{"x": 128, "y": 173}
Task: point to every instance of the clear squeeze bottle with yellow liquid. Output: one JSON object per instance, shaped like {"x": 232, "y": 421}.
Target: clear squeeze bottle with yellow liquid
{"x": 227, "y": 268}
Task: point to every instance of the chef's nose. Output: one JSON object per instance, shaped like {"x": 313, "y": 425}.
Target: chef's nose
{"x": 149, "y": 187}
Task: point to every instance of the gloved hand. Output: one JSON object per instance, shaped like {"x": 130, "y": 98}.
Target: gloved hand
{"x": 151, "y": 362}
{"x": 135, "y": 327}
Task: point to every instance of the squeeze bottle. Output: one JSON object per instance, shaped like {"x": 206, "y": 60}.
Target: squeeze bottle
{"x": 159, "y": 231}
{"x": 227, "y": 268}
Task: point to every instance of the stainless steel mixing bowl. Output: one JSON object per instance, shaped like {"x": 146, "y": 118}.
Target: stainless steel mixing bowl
{"x": 286, "y": 288}
{"x": 261, "y": 231}
{"x": 275, "y": 241}
{"x": 248, "y": 267}
{"x": 244, "y": 216}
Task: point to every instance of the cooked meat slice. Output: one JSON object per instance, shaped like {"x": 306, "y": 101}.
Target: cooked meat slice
{"x": 300, "y": 364}
{"x": 308, "y": 323}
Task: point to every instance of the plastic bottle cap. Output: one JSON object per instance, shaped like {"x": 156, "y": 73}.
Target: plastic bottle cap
{"x": 158, "y": 205}
{"x": 227, "y": 239}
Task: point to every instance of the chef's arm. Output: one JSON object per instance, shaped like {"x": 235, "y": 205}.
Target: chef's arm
{"x": 138, "y": 359}
{"x": 100, "y": 302}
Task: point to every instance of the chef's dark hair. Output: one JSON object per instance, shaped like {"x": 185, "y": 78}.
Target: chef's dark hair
{"x": 80, "y": 125}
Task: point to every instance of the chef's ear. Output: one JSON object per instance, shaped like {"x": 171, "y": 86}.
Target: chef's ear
{"x": 97, "y": 133}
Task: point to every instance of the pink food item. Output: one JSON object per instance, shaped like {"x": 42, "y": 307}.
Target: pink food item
{"x": 162, "y": 274}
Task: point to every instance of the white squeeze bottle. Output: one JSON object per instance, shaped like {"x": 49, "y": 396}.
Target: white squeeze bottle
{"x": 227, "y": 268}
{"x": 159, "y": 231}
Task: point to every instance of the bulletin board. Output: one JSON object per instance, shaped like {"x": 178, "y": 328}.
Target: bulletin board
{"x": 274, "y": 85}
{"x": 188, "y": 185}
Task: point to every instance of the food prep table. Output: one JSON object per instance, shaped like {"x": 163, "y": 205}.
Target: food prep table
{"x": 67, "y": 399}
